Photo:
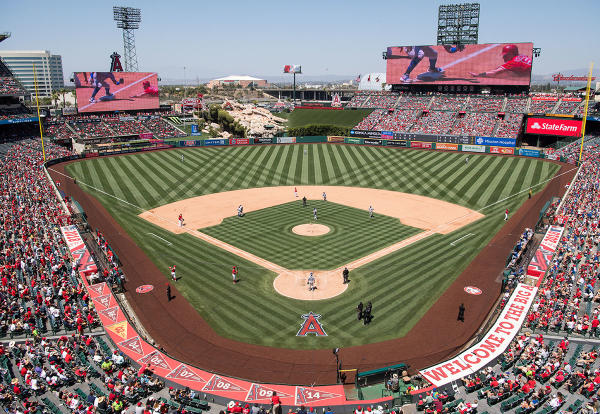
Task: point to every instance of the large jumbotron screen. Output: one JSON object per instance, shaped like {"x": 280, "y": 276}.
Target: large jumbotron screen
{"x": 116, "y": 91}
{"x": 484, "y": 64}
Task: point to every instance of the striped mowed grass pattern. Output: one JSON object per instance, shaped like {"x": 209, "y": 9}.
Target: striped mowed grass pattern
{"x": 267, "y": 233}
{"x": 402, "y": 285}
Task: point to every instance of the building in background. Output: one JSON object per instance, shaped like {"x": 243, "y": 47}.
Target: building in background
{"x": 47, "y": 66}
{"x": 243, "y": 81}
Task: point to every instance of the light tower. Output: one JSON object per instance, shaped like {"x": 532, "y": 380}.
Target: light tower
{"x": 128, "y": 19}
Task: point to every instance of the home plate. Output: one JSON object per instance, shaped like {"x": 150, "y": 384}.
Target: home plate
{"x": 430, "y": 76}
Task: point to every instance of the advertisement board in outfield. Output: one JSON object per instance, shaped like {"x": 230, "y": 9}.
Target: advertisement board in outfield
{"x": 449, "y": 139}
{"x": 549, "y": 126}
{"x": 335, "y": 139}
{"x": 481, "y": 64}
{"x": 387, "y": 135}
{"x": 446, "y": 147}
{"x": 239, "y": 141}
{"x": 263, "y": 140}
{"x": 211, "y": 142}
{"x": 354, "y": 141}
{"x": 286, "y": 140}
{"x": 526, "y": 152}
{"x": 372, "y": 141}
{"x": 419, "y": 144}
{"x": 396, "y": 143}
{"x": 502, "y": 150}
{"x": 365, "y": 133}
{"x": 499, "y": 142}
{"x": 473, "y": 148}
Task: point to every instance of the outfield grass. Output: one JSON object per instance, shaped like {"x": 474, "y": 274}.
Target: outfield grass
{"x": 345, "y": 118}
{"x": 267, "y": 233}
{"x": 417, "y": 275}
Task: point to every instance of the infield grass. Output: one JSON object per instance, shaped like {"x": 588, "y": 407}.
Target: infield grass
{"x": 273, "y": 228}
{"x": 414, "y": 276}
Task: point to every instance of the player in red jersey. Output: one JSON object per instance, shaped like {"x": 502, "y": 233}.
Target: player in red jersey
{"x": 514, "y": 64}
{"x": 148, "y": 90}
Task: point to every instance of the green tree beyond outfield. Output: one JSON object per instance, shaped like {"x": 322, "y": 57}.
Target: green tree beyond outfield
{"x": 402, "y": 285}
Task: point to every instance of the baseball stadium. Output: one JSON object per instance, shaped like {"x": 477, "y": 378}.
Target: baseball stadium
{"x": 424, "y": 241}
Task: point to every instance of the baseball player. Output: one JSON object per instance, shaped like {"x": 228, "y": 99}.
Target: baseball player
{"x": 180, "y": 219}
{"x": 467, "y": 160}
{"x": 311, "y": 281}
{"x": 148, "y": 90}
{"x": 371, "y": 211}
{"x": 295, "y": 192}
{"x": 514, "y": 64}
{"x": 173, "y": 276}
{"x": 234, "y": 274}
{"x": 416, "y": 54}
{"x": 304, "y": 201}
{"x": 324, "y": 196}
{"x": 315, "y": 213}
{"x": 240, "y": 211}
{"x": 182, "y": 158}
{"x": 505, "y": 214}
{"x": 99, "y": 80}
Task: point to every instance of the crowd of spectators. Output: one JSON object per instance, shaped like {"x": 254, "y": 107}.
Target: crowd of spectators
{"x": 125, "y": 126}
{"x": 414, "y": 102}
{"x": 567, "y": 107}
{"x": 10, "y": 86}
{"x": 476, "y": 123}
{"x": 373, "y": 120}
{"x": 91, "y": 129}
{"x": 516, "y": 105}
{"x": 484, "y": 104}
{"x": 161, "y": 128}
{"x": 434, "y": 122}
{"x": 59, "y": 129}
{"x": 448, "y": 103}
{"x": 510, "y": 126}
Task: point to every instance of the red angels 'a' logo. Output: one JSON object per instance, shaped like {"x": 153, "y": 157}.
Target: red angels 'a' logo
{"x": 311, "y": 325}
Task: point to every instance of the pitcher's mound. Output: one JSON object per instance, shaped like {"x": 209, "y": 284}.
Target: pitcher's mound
{"x": 293, "y": 284}
{"x": 311, "y": 229}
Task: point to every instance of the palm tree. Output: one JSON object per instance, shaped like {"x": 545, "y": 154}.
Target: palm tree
{"x": 54, "y": 97}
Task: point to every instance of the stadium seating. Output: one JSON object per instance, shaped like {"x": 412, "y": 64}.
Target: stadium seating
{"x": 475, "y": 123}
{"x": 448, "y": 103}
{"x": 59, "y": 130}
{"x": 510, "y": 126}
{"x": 125, "y": 126}
{"x": 484, "y": 104}
{"x": 434, "y": 122}
{"x": 10, "y": 86}
{"x": 516, "y": 104}
{"x": 90, "y": 128}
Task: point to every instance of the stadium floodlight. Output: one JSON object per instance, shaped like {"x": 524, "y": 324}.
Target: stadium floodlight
{"x": 4, "y": 36}
{"x": 458, "y": 24}
{"x": 128, "y": 19}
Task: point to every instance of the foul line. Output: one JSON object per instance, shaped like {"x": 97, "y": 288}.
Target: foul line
{"x": 122, "y": 89}
{"x": 466, "y": 235}
{"x": 166, "y": 241}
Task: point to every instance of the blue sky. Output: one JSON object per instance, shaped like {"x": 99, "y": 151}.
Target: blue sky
{"x": 327, "y": 37}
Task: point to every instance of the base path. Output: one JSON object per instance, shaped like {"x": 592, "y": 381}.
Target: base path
{"x": 185, "y": 335}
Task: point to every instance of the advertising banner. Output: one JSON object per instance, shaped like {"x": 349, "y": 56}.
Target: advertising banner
{"x": 502, "y": 150}
{"x": 481, "y": 64}
{"x": 335, "y": 139}
{"x": 196, "y": 131}
{"x": 354, "y": 141}
{"x": 146, "y": 135}
{"x": 387, "y": 135}
{"x": 499, "y": 142}
{"x": 286, "y": 140}
{"x": 449, "y": 139}
{"x": 372, "y": 142}
{"x": 190, "y": 143}
{"x": 396, "y": 143}
{"x": 473, "y": 148}
{"x": 365, "y": 134}
{"x": 211, "y": 142}
{"x": 263, "y": 140}
{"x": 239, "y": 141}
{"x": 492, "y": 345}
{"x": 116, "y": 91}
{"x": 549, "y": 126}
{"x": 543, "y": 255}
{"x": 18, "y": 120}
{"x": 446, "y": 147}
{"x": 544, "y": 98}
{"x": 419, "y": 144}
{"x": 529, "y": 152}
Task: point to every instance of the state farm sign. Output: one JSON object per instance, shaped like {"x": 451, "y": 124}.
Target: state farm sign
{"x": 547, "y": 126}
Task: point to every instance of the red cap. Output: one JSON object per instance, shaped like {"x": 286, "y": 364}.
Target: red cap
{"x": 510, "y": 50}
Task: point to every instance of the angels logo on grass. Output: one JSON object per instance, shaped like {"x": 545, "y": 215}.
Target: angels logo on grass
{"x": 98, "y": 288}
{"x": 183, "y": 372}
{"x": 134, "y": 344}
{"x": 472, "y": 290}
{"x": 311, "y": 395}
{"x": 104, "y": 300}
{"x": 110, "y": 313}
{"x": 311, "y": 325}
{"x": 155, "y": 359}
{"x": 259, "y": 392}
{"x": 217, "y": 383}
{"x": 144, "y": 288}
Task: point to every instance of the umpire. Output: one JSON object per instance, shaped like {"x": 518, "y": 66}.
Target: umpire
{"x": 345, "y": 273}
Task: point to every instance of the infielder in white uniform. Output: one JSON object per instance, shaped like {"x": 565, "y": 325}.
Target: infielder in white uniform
{"x": 311, "y": 281}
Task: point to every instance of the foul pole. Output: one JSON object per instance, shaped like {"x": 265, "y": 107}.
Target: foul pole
{"x": 37, "y": 101}
{"x": 585, "y": 111}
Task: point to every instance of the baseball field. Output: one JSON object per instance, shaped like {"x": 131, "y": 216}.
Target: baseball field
{"x": 402, "y": 285}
